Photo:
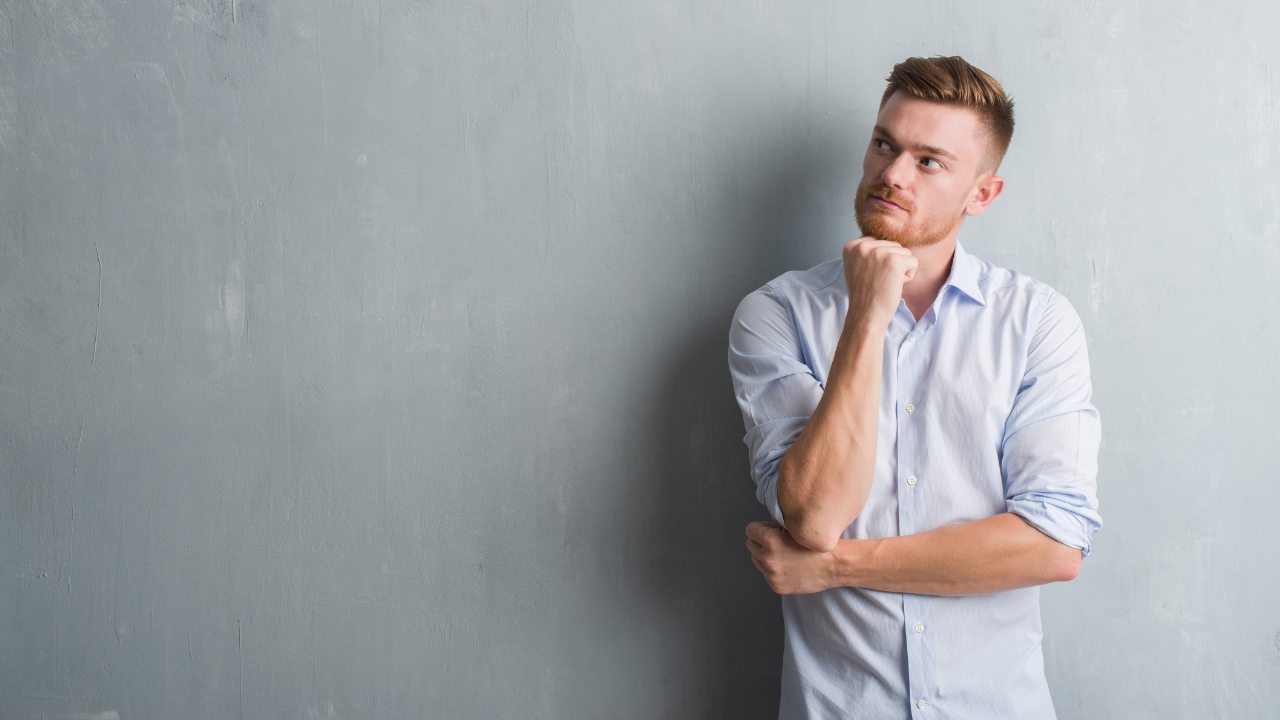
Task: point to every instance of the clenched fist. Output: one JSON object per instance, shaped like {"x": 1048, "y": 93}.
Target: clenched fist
{"x": 875, "y": 271}
{"x": 789, "y": 567}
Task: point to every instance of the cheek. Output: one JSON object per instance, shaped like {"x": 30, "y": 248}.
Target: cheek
{"x": 872, "y": 167}
{"x": 944, "y": 204}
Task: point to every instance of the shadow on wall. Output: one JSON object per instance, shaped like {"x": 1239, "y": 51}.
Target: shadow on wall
{"x": 701, "y": 569}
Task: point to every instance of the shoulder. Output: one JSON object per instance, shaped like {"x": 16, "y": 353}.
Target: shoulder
{"x": 792, "y": 288}
{"x": 1003, "y": 287}
{"x": 1041, "y": 314}
{"x": 819, "y": 278}
{"x": 782, "y": 311}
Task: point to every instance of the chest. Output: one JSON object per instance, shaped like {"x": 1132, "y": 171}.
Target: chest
{"x": 959, "y": 366}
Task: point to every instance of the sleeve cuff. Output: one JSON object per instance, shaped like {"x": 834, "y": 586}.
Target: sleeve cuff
{"x": 770, "y": 497}
{"x": 1073, "y": 527}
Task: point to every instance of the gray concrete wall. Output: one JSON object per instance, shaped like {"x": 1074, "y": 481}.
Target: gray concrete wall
{"x": 366, "y": 359}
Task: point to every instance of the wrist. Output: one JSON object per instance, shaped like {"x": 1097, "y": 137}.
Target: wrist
{"x": 864, "y": 334}
{"x": 870, "y": 319}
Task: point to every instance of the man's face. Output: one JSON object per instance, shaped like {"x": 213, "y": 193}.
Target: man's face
{"x": 923, "y": 168}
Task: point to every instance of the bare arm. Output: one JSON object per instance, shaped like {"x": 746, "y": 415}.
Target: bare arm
{"x": 984, "y": 556}
{"x": 825, "y": 477}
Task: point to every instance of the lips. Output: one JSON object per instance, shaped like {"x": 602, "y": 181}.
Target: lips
{"x": 887, "y": 204}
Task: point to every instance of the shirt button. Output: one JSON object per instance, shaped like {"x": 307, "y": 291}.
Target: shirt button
{"x": 911, "y": 408}
{"x": 921, "y": 704}
{"x": 919, "y": 628}
{"x": 911, "y": 339}
{"x": 911, "y": 479}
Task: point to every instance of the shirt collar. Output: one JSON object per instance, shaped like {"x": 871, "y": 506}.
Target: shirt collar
{"x": 964, "y": 274}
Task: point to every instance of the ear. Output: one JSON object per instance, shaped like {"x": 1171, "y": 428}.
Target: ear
{"x": 987, "y": 190}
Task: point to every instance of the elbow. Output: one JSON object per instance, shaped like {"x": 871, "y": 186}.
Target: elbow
{"x": 813, "y": 535}
{"x": 808, "y": 525}
{"x": 1065, "y": 564}
{"x": 818, "y": 542}
{"x": 1072, "y": 567}
{"x": 1055, "y": 560}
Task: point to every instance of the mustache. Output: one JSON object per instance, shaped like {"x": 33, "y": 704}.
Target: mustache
{"x": 884, "y": 192}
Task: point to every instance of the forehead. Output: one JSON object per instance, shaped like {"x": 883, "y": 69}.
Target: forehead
{"x": 916, "y": 123}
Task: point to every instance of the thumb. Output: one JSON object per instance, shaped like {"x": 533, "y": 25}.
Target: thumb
{"x": 910, "y": 271}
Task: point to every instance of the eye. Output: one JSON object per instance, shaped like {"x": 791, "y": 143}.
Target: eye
{"x": 879, "y": 144}
{"x": 935, "y": 166}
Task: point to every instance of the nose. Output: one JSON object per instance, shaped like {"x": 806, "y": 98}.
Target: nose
{"x": 898, "y": 172}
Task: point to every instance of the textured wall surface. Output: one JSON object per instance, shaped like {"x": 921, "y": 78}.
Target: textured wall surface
{"x": 366, "y": 358}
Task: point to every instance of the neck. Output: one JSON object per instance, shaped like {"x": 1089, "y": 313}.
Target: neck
{"x": 931, "y": 274}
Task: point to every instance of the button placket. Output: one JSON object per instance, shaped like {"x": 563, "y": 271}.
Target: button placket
{"x": 910, "y": 364}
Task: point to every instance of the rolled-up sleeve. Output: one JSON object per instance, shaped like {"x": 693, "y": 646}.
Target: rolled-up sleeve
{"x": 1050, "y": 449}
{"x": 775, "y": 388}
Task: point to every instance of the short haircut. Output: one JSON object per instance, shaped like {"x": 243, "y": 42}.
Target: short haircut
{"x": 952, "y": 81}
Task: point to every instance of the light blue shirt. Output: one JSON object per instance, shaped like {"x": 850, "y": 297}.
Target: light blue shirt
{"x": 984, "y": 408}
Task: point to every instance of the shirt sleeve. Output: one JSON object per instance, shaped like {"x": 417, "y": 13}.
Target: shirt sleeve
{"x": 775, "y": 388}
{"x": 1050, "y": 450}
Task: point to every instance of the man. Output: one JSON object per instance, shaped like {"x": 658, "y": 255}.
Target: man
{"x": 920, "y": 428}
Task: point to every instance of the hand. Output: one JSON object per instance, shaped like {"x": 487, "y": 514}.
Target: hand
{"x": 875, "y": 271}
{"x": 789, "y": 567}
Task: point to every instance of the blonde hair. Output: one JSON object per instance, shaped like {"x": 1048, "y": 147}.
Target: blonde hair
{"x": 953, "y": 81}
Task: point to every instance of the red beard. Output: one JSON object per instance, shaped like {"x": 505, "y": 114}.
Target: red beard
{"x": 873, "y": 219}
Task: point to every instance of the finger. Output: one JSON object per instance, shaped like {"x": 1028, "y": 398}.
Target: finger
{"x": 757, "y": 531}
{"x": 893, "y": 249}
{"x": 870, "y": 240}
{"x": 909, "y": 267}
{"x": 759, "y": 565}
{"x": 755, "y": 547}
{"x": 900, "y": 260}
{"x": 768, "y": 535}
{"x": 872, "y": 246}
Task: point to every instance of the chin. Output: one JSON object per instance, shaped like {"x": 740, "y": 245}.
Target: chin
{"x": 876, "y": 224}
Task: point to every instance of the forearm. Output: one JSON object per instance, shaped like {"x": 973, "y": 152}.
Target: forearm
{"x": 985, "y": 556}
{"x": 825, "y": 477}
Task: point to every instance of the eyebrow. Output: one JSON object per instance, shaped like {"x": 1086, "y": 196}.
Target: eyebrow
{"x": 926, "y": 148}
